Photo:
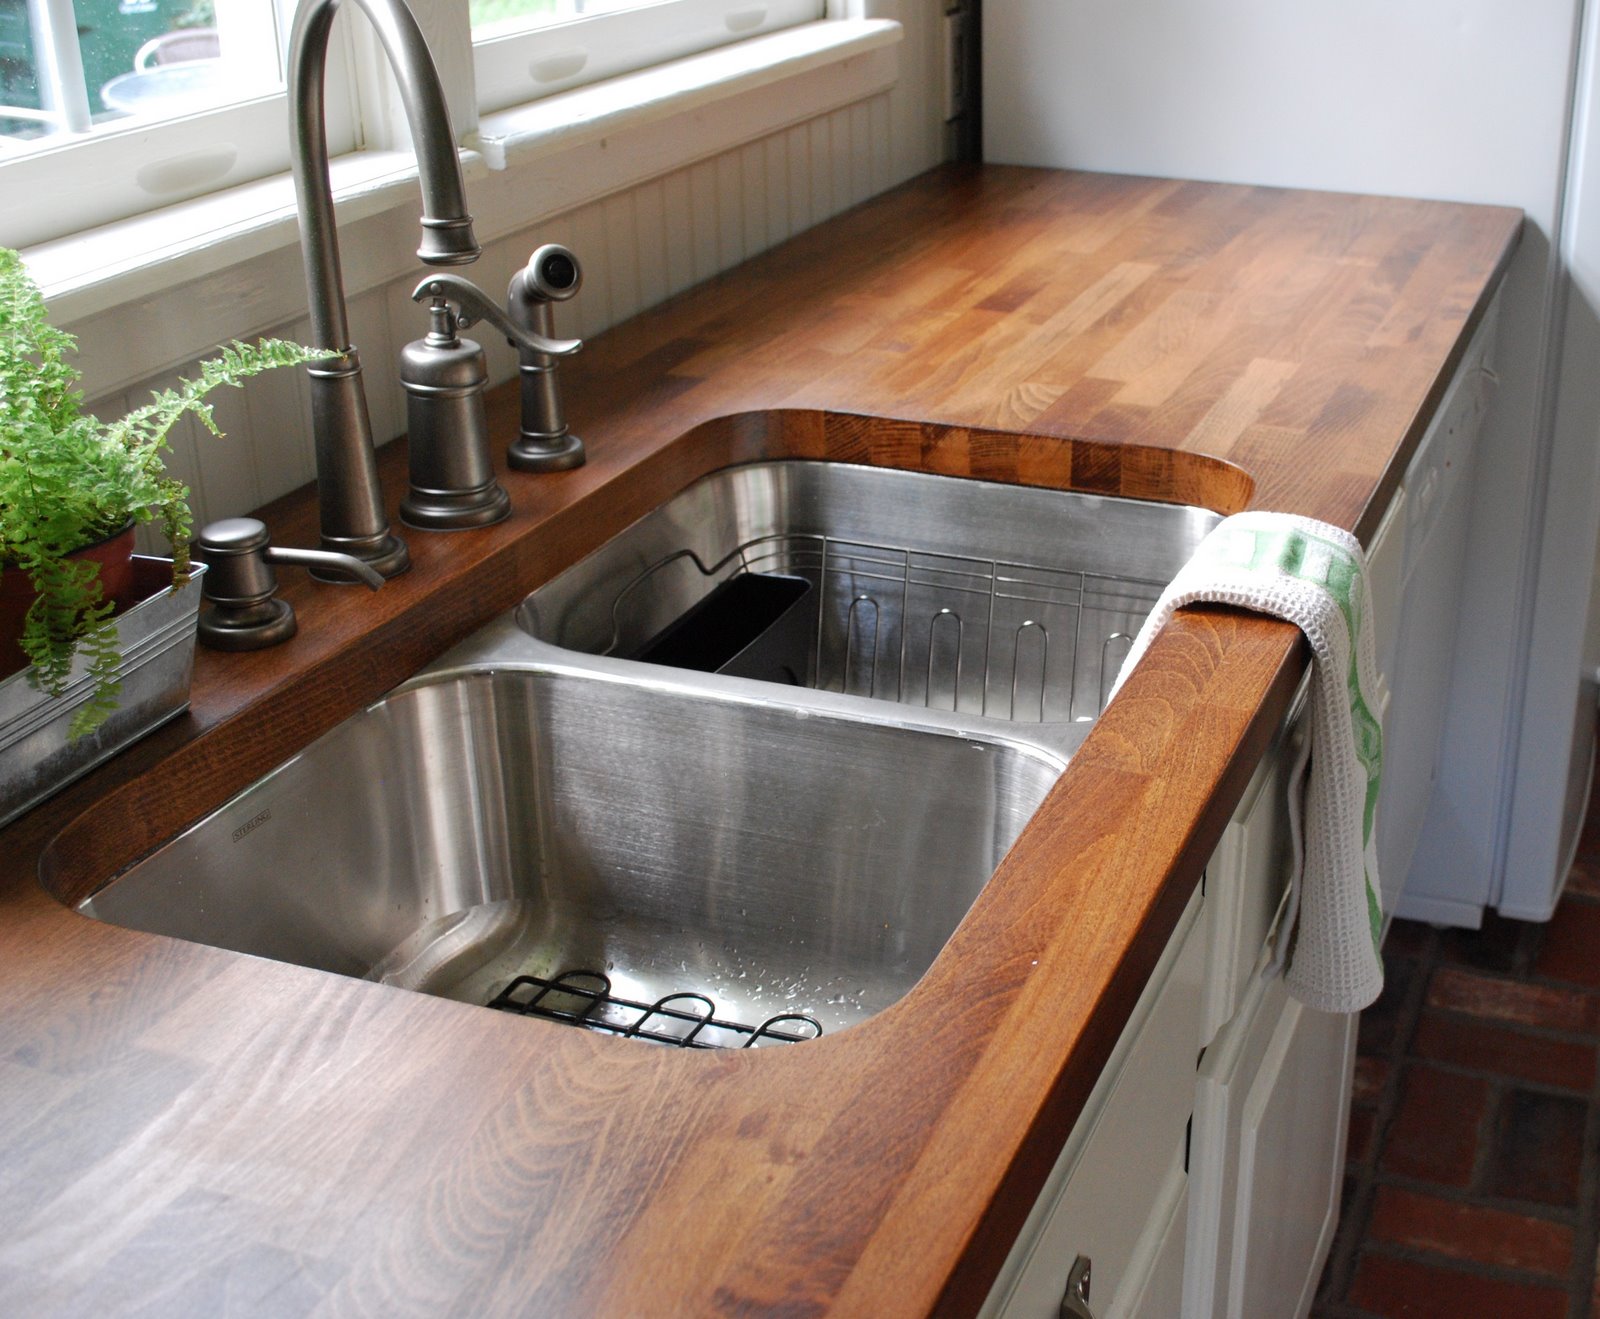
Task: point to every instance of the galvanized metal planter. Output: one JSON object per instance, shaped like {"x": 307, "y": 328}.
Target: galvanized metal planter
{"x": 156, "y": 639}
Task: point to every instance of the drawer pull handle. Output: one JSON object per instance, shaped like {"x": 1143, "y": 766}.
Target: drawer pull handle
{"x": 1075, "y": 1304}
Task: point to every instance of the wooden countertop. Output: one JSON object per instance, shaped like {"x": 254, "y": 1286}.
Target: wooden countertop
{"x": 191, "y": 1130}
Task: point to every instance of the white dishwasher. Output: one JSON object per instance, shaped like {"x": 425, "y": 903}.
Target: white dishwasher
{"x": 1438, "y": 489}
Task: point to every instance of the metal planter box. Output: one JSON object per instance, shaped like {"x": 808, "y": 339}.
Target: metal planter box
{"x": 156, "y": 639}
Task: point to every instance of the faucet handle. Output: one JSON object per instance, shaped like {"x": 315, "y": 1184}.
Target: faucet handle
{"x": 476, "y": 305}
{"x": 240, "y": 589}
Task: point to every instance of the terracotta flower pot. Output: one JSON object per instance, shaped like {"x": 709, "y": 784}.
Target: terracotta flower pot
{"x": 114, "y": 554}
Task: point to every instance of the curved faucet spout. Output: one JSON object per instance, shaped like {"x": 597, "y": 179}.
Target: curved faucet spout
{"x": 349, "y": 496}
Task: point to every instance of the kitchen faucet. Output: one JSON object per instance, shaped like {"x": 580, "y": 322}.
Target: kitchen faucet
{"x": 348, "y": 495}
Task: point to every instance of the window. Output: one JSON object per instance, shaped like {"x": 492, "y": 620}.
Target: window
{"x": 525, "y": 49}
{"x": 69, "y": 67}
{"x": 112, "y": 107}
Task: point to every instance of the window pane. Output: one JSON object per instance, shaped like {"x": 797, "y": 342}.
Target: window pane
{"x": 524, "y": 13}
{"x": 525, "y": 49}
{"x": 140, "y": 60}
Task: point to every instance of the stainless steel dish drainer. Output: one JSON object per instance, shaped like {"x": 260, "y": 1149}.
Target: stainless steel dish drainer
{"x": 1018, "y": 641}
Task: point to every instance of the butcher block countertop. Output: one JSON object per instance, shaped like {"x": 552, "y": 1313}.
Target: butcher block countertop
{"x": 187, "y": 1130}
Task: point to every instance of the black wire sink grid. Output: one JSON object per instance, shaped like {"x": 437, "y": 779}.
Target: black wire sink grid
{"x": 686, "y": 1019}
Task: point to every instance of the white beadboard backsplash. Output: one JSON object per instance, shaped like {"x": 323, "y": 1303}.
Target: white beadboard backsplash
{"x": 637, "y": 248}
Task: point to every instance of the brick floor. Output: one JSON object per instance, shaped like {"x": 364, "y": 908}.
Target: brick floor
{"x": 1473, "y": 1170}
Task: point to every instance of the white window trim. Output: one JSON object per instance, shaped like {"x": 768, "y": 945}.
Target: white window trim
{"x": 546, "y": 158}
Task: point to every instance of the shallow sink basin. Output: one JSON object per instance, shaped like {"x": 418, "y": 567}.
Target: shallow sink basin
{"x": 1001, "y": 601}
{"x": 482, "y": 826}
{"x": 542, "y": 822}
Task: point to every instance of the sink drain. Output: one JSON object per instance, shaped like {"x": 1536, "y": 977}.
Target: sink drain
{"x": 687, "y": 1019}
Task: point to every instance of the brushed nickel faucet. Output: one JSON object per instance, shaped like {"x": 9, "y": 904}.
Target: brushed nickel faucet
{"x": 348, "y": 494}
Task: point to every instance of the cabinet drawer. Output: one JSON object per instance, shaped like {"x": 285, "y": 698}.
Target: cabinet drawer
{"x": 1107, "y": 1185}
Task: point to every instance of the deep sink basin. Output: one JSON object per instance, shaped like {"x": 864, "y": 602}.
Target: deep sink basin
{"x": 488, "y": 825}
{"x": 539, "y": 820}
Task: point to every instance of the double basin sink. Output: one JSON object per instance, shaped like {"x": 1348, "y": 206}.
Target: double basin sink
{"x": 891, "y": 669}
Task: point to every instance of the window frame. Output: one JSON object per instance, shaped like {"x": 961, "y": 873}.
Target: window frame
{"x": 74, "y": 181}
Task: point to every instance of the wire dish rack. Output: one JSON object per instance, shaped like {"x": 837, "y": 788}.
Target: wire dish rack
{"x": 1016, "y": 641}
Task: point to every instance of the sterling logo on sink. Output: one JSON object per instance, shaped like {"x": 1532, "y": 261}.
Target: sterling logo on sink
{"x": 251, "y": 825}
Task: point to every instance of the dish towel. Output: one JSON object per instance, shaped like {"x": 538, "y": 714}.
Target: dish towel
{"x": 1314, "y": 575}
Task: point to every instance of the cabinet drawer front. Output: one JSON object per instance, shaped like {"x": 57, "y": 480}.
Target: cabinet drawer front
{"x": 1108, "y": 1184}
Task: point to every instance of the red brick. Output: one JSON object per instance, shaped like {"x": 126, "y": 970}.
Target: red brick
{"x": 1536, "y": 1149}
{"x": 1471, "y": 1232}
{"x": 1463, "y": 1042}
{"x": 1500, "y": 999}
{"x": 1571, "y": 947}
{"x": 1434, "y": 1135}
{"x": 1372, "y": 1074}
{"x": 1401, "y": 1287}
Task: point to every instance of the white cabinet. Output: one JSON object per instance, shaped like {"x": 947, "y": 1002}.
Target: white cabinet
{"x": 1272, "y": 1092}
{"x": 1267, "y": 1157}
{"x": 1203, "y": 1177}
{"x": 1116, "y": 1192}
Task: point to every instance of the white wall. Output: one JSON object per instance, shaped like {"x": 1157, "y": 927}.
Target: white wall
{"x": 638, "y": 246}
{"x": 1461, "y": 99}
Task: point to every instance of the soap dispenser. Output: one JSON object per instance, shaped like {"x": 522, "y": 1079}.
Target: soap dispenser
{"x": 453, "y": 484}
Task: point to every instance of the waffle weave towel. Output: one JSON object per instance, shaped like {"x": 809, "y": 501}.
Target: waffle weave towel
{"x": 1314, "y": 575}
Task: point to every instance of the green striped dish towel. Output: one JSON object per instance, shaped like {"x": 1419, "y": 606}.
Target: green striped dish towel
{"x": 1313, "y": 575}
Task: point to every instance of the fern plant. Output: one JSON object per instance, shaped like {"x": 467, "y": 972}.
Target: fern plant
{"x": 68, "y": 480}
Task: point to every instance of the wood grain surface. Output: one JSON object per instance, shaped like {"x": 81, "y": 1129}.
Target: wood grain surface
{"x": 184, "y": 1130}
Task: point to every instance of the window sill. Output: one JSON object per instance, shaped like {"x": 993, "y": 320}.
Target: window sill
{"x": 581, "y": 145}
{"x": 595, "y": 113}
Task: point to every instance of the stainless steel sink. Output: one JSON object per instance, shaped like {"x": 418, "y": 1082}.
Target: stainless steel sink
{"x": 477, "y": 826}
{"x": 543, "y": 822}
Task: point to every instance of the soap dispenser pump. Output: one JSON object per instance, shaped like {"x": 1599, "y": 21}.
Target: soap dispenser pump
{"x": 453, "y": 485}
